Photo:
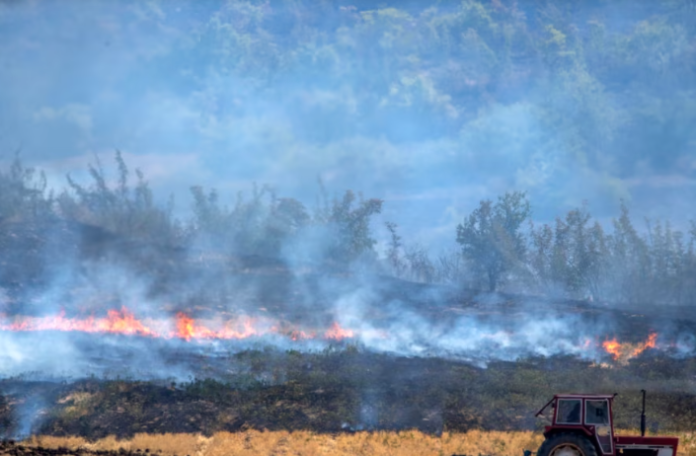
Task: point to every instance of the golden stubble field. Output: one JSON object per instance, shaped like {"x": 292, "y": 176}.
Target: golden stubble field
{"x": 305, "y": 443}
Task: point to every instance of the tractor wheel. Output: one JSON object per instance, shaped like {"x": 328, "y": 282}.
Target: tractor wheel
{"x": 567, "y": 444}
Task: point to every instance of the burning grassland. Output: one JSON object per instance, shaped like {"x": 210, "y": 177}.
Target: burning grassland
{"x": 182, "y": 326}
{"x": 105, "y": 352}
{"x": 160, "y": 344}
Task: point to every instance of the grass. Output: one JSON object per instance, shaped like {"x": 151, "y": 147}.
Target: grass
{"x": 307, "y": 443}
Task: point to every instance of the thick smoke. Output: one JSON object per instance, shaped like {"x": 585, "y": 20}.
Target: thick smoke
{"x": 428, "y": 109}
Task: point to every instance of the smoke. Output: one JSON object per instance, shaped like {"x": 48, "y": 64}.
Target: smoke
{"x": 421, "y": 106}
{"x": 100, "y": 310}
{"x": 28, "y": 416}
{"x": 148, "y": 337}
{"x": 226, "y": 94}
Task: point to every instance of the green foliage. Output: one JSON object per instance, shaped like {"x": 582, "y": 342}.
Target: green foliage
{"x": 572, "y": 83}
{"x": 23, "y": 195}
{"x": 265, "y": 224}
{"x": 412, "y": 262}
{"x": 394, "y": 250}
{"x": 120, "y": 209}
{"x": 491, "y": 237}
{"x": 578, "y": 259}
{"x": 349, "y": 225}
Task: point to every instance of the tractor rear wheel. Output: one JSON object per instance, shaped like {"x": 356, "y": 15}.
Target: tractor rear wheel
{"x": 567, "y": 444}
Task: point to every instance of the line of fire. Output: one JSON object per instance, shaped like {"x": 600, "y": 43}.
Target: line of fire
{"x": 182, "y": 326}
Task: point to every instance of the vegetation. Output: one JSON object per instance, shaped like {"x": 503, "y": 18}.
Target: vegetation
{"x": 501, "y": 247}
{"x": 350, "y": 391}
{"x": 574, "y": 84}
{"x": 253, "y": 442}
{"x": 564, "y": 84}
{"x": 406, "y": 443}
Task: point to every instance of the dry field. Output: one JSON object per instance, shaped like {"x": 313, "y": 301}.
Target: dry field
{"x": 258, "y": 443}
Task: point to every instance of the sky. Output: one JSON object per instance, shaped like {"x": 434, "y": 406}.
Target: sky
{"x": 166, "y": 84}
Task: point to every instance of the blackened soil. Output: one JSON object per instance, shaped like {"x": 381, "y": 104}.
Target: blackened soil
{"x": 349, "y": 391}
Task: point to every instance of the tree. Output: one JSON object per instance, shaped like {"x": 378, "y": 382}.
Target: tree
{"x": 540, "y": 255}
{"x": 491, "y": 238}
{"x": 350, "y": 226}
{"x": 122, "y": 210}
{"x": 394, "y": 251}
{"x": 23, "y": 193}
{"x": 630, "y": 261}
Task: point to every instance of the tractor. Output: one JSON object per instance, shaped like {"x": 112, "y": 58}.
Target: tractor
{"x": 582, "y": 425}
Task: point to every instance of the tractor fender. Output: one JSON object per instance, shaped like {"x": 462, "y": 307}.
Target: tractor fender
{"x": 574, "y": 436}
{"x": 551, "y": 430}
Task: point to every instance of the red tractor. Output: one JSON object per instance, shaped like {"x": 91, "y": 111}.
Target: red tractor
{"x": 582, "y": 425}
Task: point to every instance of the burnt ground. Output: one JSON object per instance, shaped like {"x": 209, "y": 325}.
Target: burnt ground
{"x": 345, "y": 387}
{"x": 349, "y": 390}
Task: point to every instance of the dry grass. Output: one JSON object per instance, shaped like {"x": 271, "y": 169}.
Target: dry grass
{"x": 305, "y": 443}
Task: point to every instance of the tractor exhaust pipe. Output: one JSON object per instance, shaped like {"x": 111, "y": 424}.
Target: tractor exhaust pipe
{"x": 642, "y": 417}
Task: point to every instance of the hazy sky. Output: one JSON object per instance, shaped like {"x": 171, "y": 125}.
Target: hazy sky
{"x": 161, "y": 81}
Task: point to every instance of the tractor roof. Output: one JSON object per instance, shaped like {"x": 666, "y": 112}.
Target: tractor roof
{"x": 586, "y": 396}
{"x": 576, "y": 396}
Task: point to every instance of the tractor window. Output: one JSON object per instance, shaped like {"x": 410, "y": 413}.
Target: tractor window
{"x": 568, "y": 411}
{"x": 597, "y": 412}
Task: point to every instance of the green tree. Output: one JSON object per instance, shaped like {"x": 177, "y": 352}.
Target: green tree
{"x": 540, "y": 254}
{"x": 23, "y": 194}
{"x": 394, "y": 250}
{"x": 491, "y": 237}
{"x": 629, "y": 260}
{"x": 349, "y": 224}
{"x": 598, "y": 256}
{"x": 120, "y": 209}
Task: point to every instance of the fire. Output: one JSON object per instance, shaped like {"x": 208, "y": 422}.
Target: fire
{"x": 185, "y": 327}
{"x": 117, "y": 322}
{"x": 123, "y": 323}
{"x": 624, "y": 352}
{"x": 247, "y": 327}
{"x": 301, "y": 335}
{"x": 613, "y": 347}
{"x": 188, "y": 328}
{"x": 335, "y": 332}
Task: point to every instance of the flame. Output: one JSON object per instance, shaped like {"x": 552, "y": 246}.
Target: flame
{"x": 185, "y": 327}
{"x": 335, "y": 332}
{"x": 613, "y": 347}
{"x": 623, "y": 352}
{"x": 116, "y": 322}
{"x": 246, "y": 327}
{"x": 301, "y": 335}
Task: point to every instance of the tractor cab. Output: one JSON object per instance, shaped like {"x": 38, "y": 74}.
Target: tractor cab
{"x": 587, "y": 414}
{"x": 582, "y": 425}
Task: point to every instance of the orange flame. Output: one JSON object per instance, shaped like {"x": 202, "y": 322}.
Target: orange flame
{"x": 335, "y": 332}
{"x": 117, "y": 322}
{"x": 626, "y": 351}
{"x": 186, "y": 327}
{"x": 613, "y": 347}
